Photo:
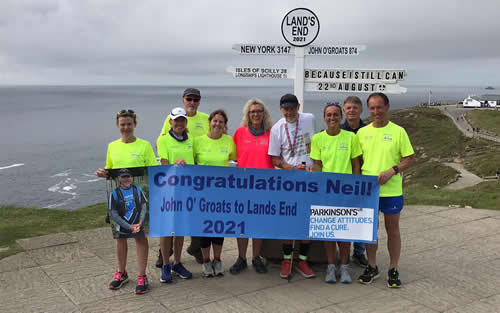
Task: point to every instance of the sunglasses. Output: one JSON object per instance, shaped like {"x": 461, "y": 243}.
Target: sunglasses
{"x": 126, "y": 111}
{"x": 256, "y": 112}
{"x": 193, "y": 99}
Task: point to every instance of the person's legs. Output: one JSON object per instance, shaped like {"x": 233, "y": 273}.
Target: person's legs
{"x": 217, "y": 243}
{"x": 194, "y": 249}
{"x": 208, "y": 270}
{"x": 142, "y": 255}
{"x": 345, "y": 249}
{"x": 286, "y": 267}
{"x": 302, "y": 266}
{"x": 393, "y": 238}
{"x": 178, "y": 244}
{"x": 256, "y": 247}
{"x": 242, "y": 247}
{"x": 258, "y": 261}
{"x": 121, "y": 254}
{"x": 165, "y": 246}
{"x": 331, "y": 251}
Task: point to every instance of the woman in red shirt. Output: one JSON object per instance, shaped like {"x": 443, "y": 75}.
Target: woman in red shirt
{"x": 252, "y": 144}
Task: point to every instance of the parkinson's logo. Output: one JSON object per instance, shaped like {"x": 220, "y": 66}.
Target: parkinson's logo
{"x": 368, "y": 137}
{"x": 387, "y": 137}
{"x": 224, "y": 150}
{"x": 199, "y": 126}
{"x": 135, "y": 155}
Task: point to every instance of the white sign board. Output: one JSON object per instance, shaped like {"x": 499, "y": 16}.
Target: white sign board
{"x": 335, "y": 50}
{"x": 263, "y": 49}
{"x": 261, "y": 72}
{"x": 300, "y": 27}
{"x": 325, "y": 75}
{"x": 343, "y": 223}
{"x": 355, "y": 87}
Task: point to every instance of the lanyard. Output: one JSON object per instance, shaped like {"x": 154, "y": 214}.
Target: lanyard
{"x": 292, "y": 147}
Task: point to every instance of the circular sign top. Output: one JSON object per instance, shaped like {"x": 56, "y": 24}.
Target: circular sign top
{"x": 300, "y": 27}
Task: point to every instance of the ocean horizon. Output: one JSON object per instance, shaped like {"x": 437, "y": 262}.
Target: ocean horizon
{"x": 55, "y": 137}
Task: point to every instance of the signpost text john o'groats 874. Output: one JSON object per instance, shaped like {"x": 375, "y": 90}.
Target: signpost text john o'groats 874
{"x": 300, "y": 27}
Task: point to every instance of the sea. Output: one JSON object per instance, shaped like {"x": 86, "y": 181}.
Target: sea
{"x": 53, "y": 138}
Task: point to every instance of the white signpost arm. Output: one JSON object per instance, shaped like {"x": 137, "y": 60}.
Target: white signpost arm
{"x": 298, "y": 88}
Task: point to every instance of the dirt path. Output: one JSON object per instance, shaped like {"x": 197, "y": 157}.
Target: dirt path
{"x": 467, "y": 178}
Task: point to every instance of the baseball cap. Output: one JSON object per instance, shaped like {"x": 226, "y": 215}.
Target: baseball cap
{"x": 289, "y": 101}
{"x": 124, "y": 172}
{"x": 178, "y": 112}
{"x": 191, "y": 92}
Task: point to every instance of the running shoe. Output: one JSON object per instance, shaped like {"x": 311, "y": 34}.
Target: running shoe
{"x": 286, "y": 269}
{"x": 238, "y": 266}
{"x": 119, "y": 279}
{"x": 393, "y": 280}
{"x": 360, "y": 260}
{"x": 207, "y": 268}
{"x": 142, "y": 285}
{"x": 369, "y": 275}
{"x": 179, "y": 270}
{"x": 304, "y": 269}
{"x": 345, "y": 277}
{"x": 166, "y": 276}
{"x": 159, "y": 261}
{"x": 196, "y": 253}
{"x": 218, "y": 268}
{"x": 259, "y": 265}
{"x": 331, "y": 275}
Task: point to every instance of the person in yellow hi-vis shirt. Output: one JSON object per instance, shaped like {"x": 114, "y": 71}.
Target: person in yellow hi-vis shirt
{"x": 387, "y": 152}
{"x": 126, "y": 152}
{"x": 197, "y": 124}
{"x": 216, "y": 148}
{"x": 175, "y": 148}
{"x": 336, "y": 150}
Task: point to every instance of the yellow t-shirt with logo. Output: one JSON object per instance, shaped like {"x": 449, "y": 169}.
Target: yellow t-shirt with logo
{"x": 383, "y": 148}
{"x": 198, "y": 125}
{"x": 134, "y": 154}
{"x": 335, "y": 152}
{"x": 216, "y": 152}
{"x": 171, "y": 149}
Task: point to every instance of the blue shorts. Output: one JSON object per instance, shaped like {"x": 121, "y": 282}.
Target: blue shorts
{"x": 390, "y": 205}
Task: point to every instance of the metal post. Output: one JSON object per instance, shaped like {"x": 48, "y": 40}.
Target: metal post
{"x": 298, "y": 85}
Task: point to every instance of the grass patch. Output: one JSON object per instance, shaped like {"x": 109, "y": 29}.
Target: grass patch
{"x": 485, "y": 195}
{"x": 486, "y": 120}
{"x": 18, "y": 222}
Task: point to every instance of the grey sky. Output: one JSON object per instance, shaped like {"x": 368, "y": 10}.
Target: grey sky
{"x": 448, "y": 42}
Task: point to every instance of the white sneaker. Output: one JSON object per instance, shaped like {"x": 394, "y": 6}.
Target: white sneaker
{"x": 331, "y": 277}
{"x": 208, "y": 270}
{"x": 218, "y": 268}
{"x": 345, "y": 277}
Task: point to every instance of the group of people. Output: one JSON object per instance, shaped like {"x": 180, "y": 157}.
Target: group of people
{"x": 189, "y": 136}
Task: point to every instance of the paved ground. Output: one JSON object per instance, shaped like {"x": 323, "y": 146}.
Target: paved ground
{"x": 450, "y": 257}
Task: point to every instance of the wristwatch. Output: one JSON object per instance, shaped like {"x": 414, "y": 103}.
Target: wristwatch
{"x": 395, "y": 168}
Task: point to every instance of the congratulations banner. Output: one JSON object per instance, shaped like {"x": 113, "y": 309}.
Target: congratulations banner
{"x": 262, "y": 203}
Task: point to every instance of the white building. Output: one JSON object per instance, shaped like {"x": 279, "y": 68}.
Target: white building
{"x": 483, "y": 101}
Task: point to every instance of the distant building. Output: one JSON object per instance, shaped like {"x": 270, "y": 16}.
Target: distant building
{"x": 483, "y": 101}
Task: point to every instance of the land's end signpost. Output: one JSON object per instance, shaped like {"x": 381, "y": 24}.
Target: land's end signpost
{"x": 300, "y": 27}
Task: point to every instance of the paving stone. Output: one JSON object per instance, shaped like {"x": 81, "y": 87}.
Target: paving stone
{"x": 291, "y": 297}
{"x": 30, "y": 278}
{"x": 439, "y": 294}
{"x": 331, "y": 309}
{"x": 37, "y": 300}
{"x": 425, "y": 209}
{"x": 424, "y": 222}
{"x": 129, "y": 303}
{"x": 46, "y": 241}
{"x": 94, "y": 289}
{"x": 77, "y": 269}
{"x": 58, "y": 254}
{"x": 384, "y": 302}
{"x": 223, "y": 306}
{"x": 467, "y": 215}
{"x": 181, "y": 296}
{"x": 16, "y": 262}
{"x": 336, "y": 293}
{"x": 487, "y": 305}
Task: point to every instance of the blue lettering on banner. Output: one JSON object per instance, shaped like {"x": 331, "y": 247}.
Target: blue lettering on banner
{"x": 261, "y": 203}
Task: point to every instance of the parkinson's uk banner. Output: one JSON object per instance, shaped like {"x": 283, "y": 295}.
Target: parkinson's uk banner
{"x": 262, "y": 203}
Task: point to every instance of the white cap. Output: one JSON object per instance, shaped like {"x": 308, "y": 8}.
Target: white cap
{"x": 178, "y": 112}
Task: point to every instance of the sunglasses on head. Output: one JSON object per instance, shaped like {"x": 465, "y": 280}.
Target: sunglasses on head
{"x": 193, "y": 99}
{"x": 126, "y": 111}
